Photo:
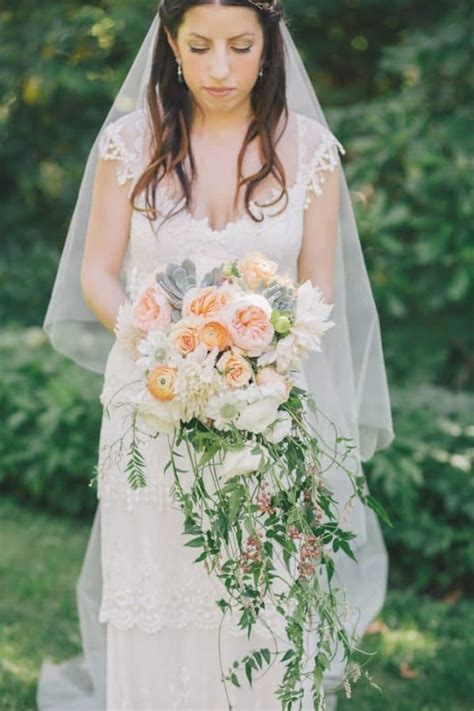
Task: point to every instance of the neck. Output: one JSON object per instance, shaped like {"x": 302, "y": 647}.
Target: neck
{"x": 222, "y": 123}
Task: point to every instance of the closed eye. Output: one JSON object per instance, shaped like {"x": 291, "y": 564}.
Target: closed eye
{"x": 240, "y": 50}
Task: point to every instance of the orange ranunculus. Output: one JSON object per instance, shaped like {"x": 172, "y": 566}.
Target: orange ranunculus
{"x": 152, "y": 310}
{"x": 161, "y": 382}
{"x": 238, "y": 371}
{"x": 184, "y": 335}
{"x": 206, "y": 302}
{"x": 255, "y": 268}
{"x": 215, "y": 335}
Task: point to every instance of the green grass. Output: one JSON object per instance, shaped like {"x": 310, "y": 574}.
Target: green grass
{"x": 40, "y": 559}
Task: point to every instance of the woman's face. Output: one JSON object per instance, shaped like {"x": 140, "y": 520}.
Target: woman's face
{"x": 220, "y": 47}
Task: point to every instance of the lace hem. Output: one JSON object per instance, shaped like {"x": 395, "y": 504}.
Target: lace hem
{"x": 133, "y": 613}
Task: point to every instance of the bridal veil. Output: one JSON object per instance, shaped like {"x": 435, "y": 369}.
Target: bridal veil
{"x": 355, "y": 396}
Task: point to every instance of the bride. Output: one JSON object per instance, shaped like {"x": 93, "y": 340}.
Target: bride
{"x": 215, "y": 146}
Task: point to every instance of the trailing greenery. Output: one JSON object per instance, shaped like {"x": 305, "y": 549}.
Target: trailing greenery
{"x": 423, "y": 647}
{"x": 48, "y": 454}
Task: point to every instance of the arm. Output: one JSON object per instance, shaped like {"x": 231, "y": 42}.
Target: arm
{"x": 106, "y": 242}
{"x": 318, "y": 249}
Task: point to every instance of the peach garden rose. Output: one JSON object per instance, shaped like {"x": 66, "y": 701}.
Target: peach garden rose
{"x": 249, "y": 324}
{"x": 184, "y": 335}
{"x": 237, "y": 370}
{"x": 152, "y": 310}
{"x": 255, "y": 268}
{"x": 207, "y": 302}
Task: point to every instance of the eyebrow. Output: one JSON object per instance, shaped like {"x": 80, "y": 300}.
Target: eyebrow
{"x": 195, "y": 34}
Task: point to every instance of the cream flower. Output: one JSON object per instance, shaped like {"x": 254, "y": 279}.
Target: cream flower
{"x": 310, "y": 319}
{"x": 255, "y": 268}
{"x": 269, "y": 375}
{"x": 223, "y": 409}
{"x": 154, "y": 348}
{"x": 126, "y": 330}
{"x": 310, "y": 324}
{"x": 259, "y": 415}
{"x": 198, "y": 382}
{"x": 159, "y": 416}
{"x": 260, "y": 406}
{"x": 280, "y": 429}
{"x": 239, "y": 462}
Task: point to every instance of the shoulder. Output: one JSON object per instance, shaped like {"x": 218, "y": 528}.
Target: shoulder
{"x": 319, "y": 152}
{"x": 122, "y": 140}
{"x": 316, "y": 138}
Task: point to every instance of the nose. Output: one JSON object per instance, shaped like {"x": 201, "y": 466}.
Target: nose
{"x": 219, "y": 67}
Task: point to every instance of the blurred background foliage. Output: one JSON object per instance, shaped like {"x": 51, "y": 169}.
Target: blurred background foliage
{"x": 396, "y": 83}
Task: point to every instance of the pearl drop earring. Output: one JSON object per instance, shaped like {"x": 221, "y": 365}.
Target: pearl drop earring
{"x": 180, "y": 71}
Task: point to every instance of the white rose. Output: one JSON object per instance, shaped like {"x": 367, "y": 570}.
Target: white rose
{"x": 280, "y": 429}
{"x": 160, "y": 416}
{"x": 257, "y": 416}
{"x": 240, "y": 461}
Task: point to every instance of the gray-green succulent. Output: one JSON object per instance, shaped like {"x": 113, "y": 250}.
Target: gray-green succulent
{"x": 281, "y": 298}
{"x": 176, "y": 281}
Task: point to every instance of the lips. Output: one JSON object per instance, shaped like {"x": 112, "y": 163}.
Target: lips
{"x": 219, "y": 92}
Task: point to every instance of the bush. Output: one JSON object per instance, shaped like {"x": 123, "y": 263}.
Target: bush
{"x": 410, "y": 167}
{"x": 50, "y": 413}
{"x": 425, "y": 481}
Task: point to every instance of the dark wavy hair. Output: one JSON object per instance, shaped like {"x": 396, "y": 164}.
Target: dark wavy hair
{"x": 171, "y": 109}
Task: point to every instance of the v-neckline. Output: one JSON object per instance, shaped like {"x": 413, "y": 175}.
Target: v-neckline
{"x": 203, "y": 222}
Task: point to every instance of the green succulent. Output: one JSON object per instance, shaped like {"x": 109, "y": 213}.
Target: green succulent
{"x": 176, "y": 281}
{"x": 213, "y": 277}
{"x": 280, "y": 297}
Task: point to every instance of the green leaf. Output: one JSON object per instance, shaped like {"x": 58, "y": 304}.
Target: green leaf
{"x": 234, "y": 503}
{"x": 248, "y": 671}
{"x": 195, "y": 542}
{"x": 379, "y": 509}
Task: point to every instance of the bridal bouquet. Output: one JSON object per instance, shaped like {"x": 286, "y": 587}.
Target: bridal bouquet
{"x": 219, "y": 368}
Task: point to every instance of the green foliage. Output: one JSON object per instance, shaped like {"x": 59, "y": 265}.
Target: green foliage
{"x": 60, "y": 66}
{"x": 426, "y": 482}
{"x": 411, "y": 167}
{"x": 50, "y": 416}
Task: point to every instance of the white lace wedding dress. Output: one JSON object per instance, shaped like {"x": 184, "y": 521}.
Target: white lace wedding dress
{"x": 157, "y": 607}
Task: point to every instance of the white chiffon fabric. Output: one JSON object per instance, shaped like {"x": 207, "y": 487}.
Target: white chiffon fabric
{"x": 148, "y": 615}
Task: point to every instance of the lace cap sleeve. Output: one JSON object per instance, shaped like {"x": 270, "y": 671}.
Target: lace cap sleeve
{"x": 122, "y": 141}
{"x": 319, "y": 151}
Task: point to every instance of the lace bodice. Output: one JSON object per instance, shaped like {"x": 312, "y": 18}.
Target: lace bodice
{"x": 279, "y": 236}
